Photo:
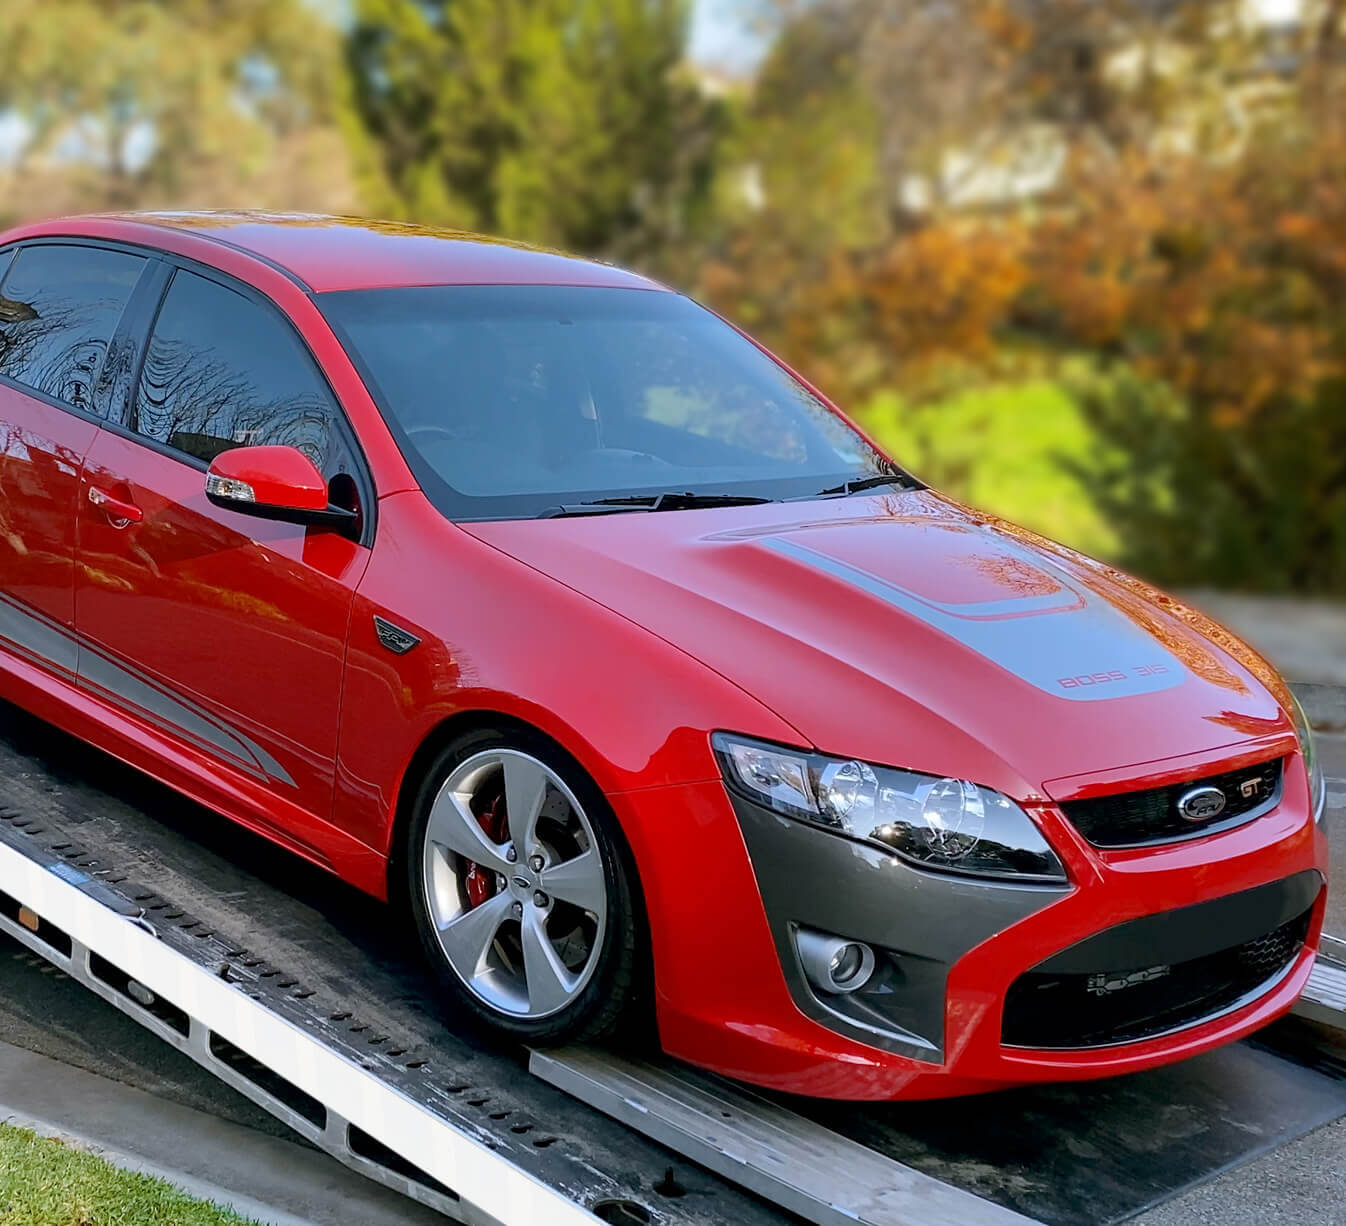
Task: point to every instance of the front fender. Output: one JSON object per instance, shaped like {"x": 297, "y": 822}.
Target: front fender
{"x": 497, "y": 636}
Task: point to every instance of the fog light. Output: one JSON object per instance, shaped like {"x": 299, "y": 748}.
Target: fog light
{"x": 846, "y": 963}
{"x": 833, "y": 964}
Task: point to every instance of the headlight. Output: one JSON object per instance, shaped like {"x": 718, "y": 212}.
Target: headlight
{"x": 946, "y": 824}
{"x": 1317, "y": 780}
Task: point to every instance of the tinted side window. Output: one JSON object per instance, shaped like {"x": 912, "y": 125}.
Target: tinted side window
{"x": 58, "y": 312}
{"x": 224, "y": 371}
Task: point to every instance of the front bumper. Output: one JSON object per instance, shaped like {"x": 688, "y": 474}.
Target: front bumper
{"x": 731, "y": 996}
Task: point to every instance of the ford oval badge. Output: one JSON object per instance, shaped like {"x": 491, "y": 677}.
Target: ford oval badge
{"x": 1201, "y": 804}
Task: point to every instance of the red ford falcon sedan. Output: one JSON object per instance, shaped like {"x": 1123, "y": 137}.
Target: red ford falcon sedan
{"x": 526, "y": 592}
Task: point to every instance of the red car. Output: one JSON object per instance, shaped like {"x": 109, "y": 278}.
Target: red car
{"x": 527, "y": 591}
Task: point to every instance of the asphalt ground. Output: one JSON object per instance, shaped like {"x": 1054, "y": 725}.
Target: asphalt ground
{"x": 45, "y": 1012}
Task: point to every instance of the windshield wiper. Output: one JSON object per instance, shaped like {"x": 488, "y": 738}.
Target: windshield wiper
{"x": 867, "y": 483}
{"x": 669, "y": 500}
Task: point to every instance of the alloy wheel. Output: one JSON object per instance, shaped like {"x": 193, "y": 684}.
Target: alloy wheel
{"x": 514, "y": 883}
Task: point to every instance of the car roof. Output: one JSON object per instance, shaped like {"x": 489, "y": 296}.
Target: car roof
{"x": 340, "y": 253}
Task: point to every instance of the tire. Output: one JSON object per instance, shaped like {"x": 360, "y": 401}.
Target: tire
{"x": 587, "y": 990}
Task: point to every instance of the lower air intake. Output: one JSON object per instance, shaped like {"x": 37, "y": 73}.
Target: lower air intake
{"x": 1061, "y": 1011}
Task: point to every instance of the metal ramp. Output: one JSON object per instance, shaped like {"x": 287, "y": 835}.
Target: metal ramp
{"x": 249, "y": 981}
{"x": 288, "y": 987}
{"x": 1324, "y": 999}
{"x": 400, "y": 1121}
{"x": 788, "y": 1159}
{"x": 338, "y": 1103}
{"x": 465, "y": 1132}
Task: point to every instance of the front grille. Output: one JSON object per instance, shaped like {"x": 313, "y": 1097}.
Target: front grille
{"x": 1134, "y": 819}
{"x": 1095, "y": 1010}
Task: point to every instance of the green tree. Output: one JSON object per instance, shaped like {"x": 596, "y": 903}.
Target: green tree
{"x": 562, "y": 122}
{"x": 131, "y": 102}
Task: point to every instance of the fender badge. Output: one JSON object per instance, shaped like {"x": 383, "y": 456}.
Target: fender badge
{"x": 394, "y": 638}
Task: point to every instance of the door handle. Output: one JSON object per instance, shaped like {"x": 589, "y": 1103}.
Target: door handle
{"x": 118, "y": 510}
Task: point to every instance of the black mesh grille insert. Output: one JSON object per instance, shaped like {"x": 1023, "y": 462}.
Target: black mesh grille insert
{"x": 1067, "y": 1011}
{"x": 1131, "y": 819}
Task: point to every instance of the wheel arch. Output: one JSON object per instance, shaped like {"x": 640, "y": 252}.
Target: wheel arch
{"x": 440, "y": 737}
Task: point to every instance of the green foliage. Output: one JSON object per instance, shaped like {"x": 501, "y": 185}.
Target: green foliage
{"x": 564, "y": 123}
{"x": 234, "y": 102}
{"x": 1010, "y": 449}
{"x": 811, "y": 134}
{"x": 1258, "y": 508}
{"x": 47, "y": 1183}
{"x": 861, "y": 206}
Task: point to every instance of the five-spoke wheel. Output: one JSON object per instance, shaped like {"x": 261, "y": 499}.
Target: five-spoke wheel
{"x": 515, "y": 886}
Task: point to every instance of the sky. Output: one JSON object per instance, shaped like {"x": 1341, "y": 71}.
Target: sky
{"x": 721, "y": 36}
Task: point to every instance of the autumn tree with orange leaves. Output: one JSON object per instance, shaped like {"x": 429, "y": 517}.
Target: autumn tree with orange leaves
{"x": 1190, "y": 247}
{"x": 1216, "y": 300}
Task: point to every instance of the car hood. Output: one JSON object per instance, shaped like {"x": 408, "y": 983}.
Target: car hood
{"x": 907, "y": 630}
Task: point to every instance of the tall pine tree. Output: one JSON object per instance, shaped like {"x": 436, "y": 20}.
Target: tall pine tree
{"x": 566, "y": 122}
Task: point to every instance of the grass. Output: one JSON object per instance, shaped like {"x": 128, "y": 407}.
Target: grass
{"x": 48, "y": 1183}
{"x": 1002, "y": 448}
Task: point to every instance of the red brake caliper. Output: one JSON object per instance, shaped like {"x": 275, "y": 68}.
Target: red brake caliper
{"x": 480, "y": 882}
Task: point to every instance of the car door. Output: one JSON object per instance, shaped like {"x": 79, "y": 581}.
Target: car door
{"x": 59, "y": 308}
{"x": 226, "y": 631}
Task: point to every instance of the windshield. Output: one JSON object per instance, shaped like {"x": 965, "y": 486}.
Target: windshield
{"x": 512, "y": 400}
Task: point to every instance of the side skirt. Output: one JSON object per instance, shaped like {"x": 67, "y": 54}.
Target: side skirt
{"x": 177, "y": 765}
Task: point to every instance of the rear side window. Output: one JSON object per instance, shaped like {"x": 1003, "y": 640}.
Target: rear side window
{"x": 58, "y": 310}
{"x": 223, "y": 371}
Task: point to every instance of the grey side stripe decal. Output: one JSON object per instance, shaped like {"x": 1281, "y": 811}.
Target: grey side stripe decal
{"x": 129, "y": 690}
{"x": 53, "y": 645}
{"x": 1059, "y": 644}
{"x": 38, "y": 637}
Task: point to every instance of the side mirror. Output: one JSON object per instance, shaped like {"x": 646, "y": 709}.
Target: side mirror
{"x": 273, "y": 483}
